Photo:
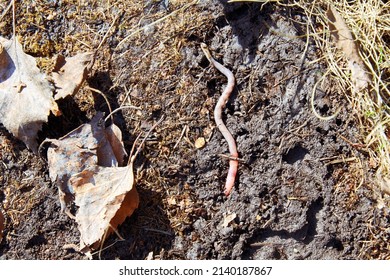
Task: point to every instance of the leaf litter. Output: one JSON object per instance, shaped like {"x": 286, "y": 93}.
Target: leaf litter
{"x": 85, "y": 165}
{"x": 105, "y": 197}
{"x": 69, "y": 73}
{"x": 28, "y": 96}
{"x": 345, "y": 42}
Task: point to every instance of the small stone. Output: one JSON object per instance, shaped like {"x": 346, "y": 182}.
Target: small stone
{"x": 200, "y": 143}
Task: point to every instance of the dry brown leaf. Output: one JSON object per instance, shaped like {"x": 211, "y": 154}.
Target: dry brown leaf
{"x": 114, "y": 136}
{"x": 1, "y": 225}
{"x": 70, "y": 73}
{"x": 346, "y": 43}
{"x": 84, "y": 147}
{"x": 111, "y": 151}
{"x": 71, "y": 154}
{"x": 105, "y": 197}
{"x": 26, "y": 97}
{"x": 84, "y": 165}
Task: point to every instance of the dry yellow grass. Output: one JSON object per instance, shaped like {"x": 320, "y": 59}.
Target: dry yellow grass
{"x": 369, "y": 23}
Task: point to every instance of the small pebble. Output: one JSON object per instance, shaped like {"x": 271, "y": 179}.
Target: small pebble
{"x": 200, "y": 143}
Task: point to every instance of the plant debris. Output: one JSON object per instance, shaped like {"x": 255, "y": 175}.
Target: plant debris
{"x": 26, "y": 97}
{"x": 73, "y": 153}
{"x": 200, "y": 142}
{"x": 105, "y": 197}
{"x": 347, "y": 44}
{"x": 228, "y": 219}
{"x": 69, "y": 73}
{"x": 84, "y": 165}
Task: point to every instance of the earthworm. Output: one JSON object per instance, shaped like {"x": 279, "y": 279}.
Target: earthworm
{"x": 233, "y": 162}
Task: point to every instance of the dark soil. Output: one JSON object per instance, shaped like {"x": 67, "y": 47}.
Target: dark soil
{"x": 299, "y": 193}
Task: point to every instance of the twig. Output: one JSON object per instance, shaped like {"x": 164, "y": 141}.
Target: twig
{"x": 230, "y": 157}
{"x": 6, "y": 10}
{"x": 104, "y": 96}
{"x": 119, "y": 109}
{"x": 106, "y": 35}
{"x": 181, "y": 136}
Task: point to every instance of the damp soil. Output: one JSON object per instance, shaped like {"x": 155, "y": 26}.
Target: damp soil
{"x": 298, "y": 194}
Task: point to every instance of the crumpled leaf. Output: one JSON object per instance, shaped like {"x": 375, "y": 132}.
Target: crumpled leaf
{"x": 114, "y": 136}
{"x": 85, "y": 166}
{"x": 346, "y": 43}
{"x": 69, "y": 73}
{"x": 105, "y": 197}
{"x": 71, "y": 154}
{"x": 26, "y": 96}
{"x": 84, "y": 147}
{"x": 1, "y": 225}
{"x": 111, "y": 151}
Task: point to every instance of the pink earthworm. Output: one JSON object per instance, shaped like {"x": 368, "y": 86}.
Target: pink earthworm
{"x": 233, "y": 162}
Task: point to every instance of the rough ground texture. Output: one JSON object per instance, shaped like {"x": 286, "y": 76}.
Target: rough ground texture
{"x": 299, "y": 193}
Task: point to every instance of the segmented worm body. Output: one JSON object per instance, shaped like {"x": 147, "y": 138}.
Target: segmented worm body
{"x": 233, "y": 162}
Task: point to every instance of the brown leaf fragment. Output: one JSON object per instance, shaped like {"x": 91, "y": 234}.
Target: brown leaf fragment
{"x": 114, "y": 136}
{"x": 347, "y": 44}
{"x": 88, "y": 145}
{"x": 341, "y": 34}
{"x": 69, "y": 73}
{"x": 228, "y": 219}
{"x": 26, "y": 96}
{"x": 73, "y": 153}
{"x": 106, "y": 153}
{"x": 200, "y": 142}
{"x": 1, "y": 225}
{"x": 105, "y": 197}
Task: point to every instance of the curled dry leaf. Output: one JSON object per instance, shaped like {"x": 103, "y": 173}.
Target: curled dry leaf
{"x": 111, "y": 151}
{"x": 84, "y": 147}
{"x": 70, "y": 73}
{"x": 84, "y": 165}
{"x": 26, "y": 97}
{"x": 71, "y": 154}
{"x": 105, "y": 197}
{"x": 114, "y": 136}
{"x": 346, "y": 43}
{"x": 1, "y": 225}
